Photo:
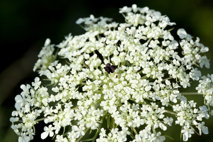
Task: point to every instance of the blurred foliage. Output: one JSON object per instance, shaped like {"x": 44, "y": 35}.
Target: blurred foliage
{"x": 25, "y": 24}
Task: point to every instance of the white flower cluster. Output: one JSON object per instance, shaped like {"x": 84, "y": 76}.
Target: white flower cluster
{"x": 206, "y": 87}
{"x": 117, "y": 82}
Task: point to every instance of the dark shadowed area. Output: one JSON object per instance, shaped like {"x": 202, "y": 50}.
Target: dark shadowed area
{"x": 25, "y": 25}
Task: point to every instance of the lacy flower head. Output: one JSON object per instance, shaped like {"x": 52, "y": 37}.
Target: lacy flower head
{"x": 117, "y": 82}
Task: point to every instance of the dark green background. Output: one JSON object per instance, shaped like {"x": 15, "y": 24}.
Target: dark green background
{"x": 25, "y": 24}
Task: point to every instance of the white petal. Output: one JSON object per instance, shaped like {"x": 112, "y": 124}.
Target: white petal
{"x": 47, "y": 42}
{"x": 51, "y": 134}
{"x": 44, "y": 135}
{"x": 185, "y": 136}
{"x": 205, "y": 130}
{"x": 181, "y": 33}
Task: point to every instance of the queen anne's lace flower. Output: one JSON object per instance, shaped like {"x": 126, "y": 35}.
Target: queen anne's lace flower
{"x": 117, "y": 82}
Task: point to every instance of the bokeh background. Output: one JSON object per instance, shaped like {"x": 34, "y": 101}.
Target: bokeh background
{"x": 25, "y": 24}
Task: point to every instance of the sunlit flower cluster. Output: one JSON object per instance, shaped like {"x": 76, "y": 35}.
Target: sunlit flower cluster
{"x": 117, "y": 82}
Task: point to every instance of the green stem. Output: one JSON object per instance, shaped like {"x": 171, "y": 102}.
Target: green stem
{"x": 40, "y": 119}
{"x": 191, "y": 93}
{"x": 170, "y": 112}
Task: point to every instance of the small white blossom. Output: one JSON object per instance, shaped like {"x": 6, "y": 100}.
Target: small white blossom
{"x": 183, "y": 34}
{"x": 204, "y": 62}
{"x": 47, "y": 131}
{"x": 206, "y": 88}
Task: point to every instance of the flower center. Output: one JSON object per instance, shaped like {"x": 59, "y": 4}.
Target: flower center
{"x": 110, "y": 68}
